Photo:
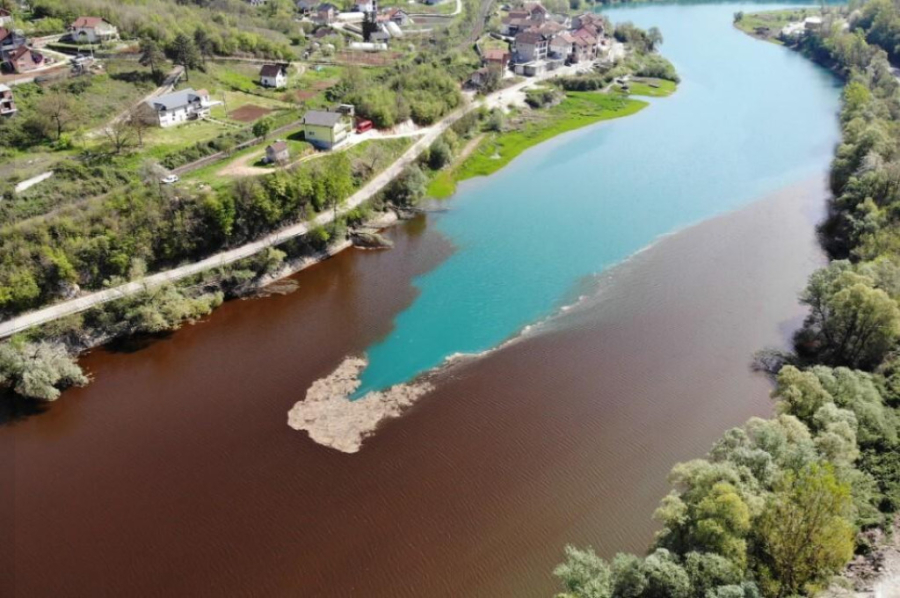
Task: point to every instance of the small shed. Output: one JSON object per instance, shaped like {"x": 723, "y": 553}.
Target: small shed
{"x": 278, "y": 152}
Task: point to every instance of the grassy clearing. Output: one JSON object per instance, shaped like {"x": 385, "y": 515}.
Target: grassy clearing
{"x": 766, "y": 25}
{"x": 579, "y": 109}
{"x": 654, "y": 88}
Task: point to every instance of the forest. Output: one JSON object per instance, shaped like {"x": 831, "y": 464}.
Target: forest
{"x": 777, "y": 506}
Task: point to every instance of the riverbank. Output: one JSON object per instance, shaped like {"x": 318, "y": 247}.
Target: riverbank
{"x": 530, "y": 128}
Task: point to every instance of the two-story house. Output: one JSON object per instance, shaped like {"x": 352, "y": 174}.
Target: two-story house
{"x": 179, "y": 107}
{"x": 531, "y": 46}
{"x": 7, "y": 103}
{"x": 92, "y": 30}
{"x": 273, "y": 75}
{"x": 326, "y": 129}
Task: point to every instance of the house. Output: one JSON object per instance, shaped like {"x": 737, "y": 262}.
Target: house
{"x": 256, "y": 3}
{"x": 306, "y": 7}
{"x": 496, "y": 58}
{"x": 22, "y": 59}
{"x": 531, "y": 46}
{"x": 326, "y": 13}
{"x": 11, "y": 40}
{"x": 325, "y": 129}
{"x": 364, "y": 5}
{"x": 92, "y": 30}
{"x": 537, "y": 12}
{"x": 273, "y": 75}
{"x": 561, "y": 46}
{"x": 7, "y": 104}
{"x": 510, "y": 26}
{"x": 592, "y": 19}
{"x": 812, "y": 23}
{"x": 179, "y": 107}
{"x": 396, "y": 15}
{"x": 6, "y": 18}
{"x": 278, "y": 153}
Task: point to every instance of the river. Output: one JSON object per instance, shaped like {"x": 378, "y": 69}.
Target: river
{"x": 175, "y": 474}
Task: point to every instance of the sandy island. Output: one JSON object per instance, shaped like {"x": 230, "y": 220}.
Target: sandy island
{"x": 333, "y": 420}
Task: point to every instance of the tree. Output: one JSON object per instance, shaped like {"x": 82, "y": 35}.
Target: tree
{"x": 60, "y": 109}
{"x": 38, "y": 370}
{"x": 439, "y": 155}
{"x": 139, "y": 124}
{"x": 153, "y": 57}
{"x": 584, "y": 575}
{"x": 262, "y": 128}
{"x": 204, "y": 43}
{"x": 850, "y": 322}
{"x": 184, "y": 53}
{"x": 120, "y": 134}
{"x": 805, "y": 532}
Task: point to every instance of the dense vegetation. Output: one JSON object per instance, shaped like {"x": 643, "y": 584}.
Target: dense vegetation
{"x": 229, "y": 26}
{"x": 775, "y": 508}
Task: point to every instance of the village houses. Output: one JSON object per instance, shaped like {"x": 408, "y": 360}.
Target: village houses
{"x": 395, "y": 15}
{"x": 92, "y": 30}
{"x": 326, "y": 129}
{"x": 542, "y": 41}
{"x": 273, "y": 75}
{"x": 179, "y": 107}
{"x": 7, "y": 103}
{"x": 326, "y": 13}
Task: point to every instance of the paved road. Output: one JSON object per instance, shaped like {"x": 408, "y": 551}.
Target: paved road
{"x": 73, "y": 306}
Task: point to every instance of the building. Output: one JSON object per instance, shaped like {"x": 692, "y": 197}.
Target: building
{"x": 92, "y": 30}
{"x": 10, "y": 39}
{"x": 7, "y": 103}
{"x": 495, "y": 57}
{"x": 364, "y": 5}
{"x": 326, "y": 129}
{"x": 395, "y": 15}
{"x": 326, "y": 13}
{"x": 180, "y": 106}
{"x": 537, "y": 12}
{"x": 531, "y": 46}
{"x": 22, "y": 59}
{"x": 273, "y": 75}
{"x": 6, "y": 18}
{"x": 306, "y": 7}
{"x": 278, "y": 153}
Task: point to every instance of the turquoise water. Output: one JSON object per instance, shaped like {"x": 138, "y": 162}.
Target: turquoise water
{"x": 749, "y": 118}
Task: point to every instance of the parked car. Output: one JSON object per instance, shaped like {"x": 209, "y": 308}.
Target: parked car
{"x": 170, "y": 180}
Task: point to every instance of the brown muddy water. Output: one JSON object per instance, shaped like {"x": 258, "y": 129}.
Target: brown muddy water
{"x": 175, "y": 473}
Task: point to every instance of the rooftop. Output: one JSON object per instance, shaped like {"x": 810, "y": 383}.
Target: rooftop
{"x": 322, "y": 118}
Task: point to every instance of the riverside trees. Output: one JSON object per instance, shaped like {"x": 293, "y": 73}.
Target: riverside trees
{"x": 774, "y": 509}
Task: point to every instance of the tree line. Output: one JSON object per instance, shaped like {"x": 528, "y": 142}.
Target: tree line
{"x": 775, "y": 508}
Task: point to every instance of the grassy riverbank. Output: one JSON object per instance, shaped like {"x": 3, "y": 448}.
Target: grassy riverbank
{"x": 578, "y": 109}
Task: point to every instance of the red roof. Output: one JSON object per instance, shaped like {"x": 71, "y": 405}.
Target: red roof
{"x": 87, "y": 22}
{"x": 5, "y": 13}
{"x": 4, "y": 33}
{"x": 495, "y": 55}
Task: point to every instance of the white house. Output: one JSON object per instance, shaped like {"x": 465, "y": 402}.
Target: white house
{"x": 180, "y": 106}
{"x": 6, "y": 17}
{"x": 92, "y": 30}
{"x": 273, "y": 75}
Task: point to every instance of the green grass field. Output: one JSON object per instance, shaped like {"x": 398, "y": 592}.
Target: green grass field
{"x": 654, "y": 88}
{"x": 579, "y": 109}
